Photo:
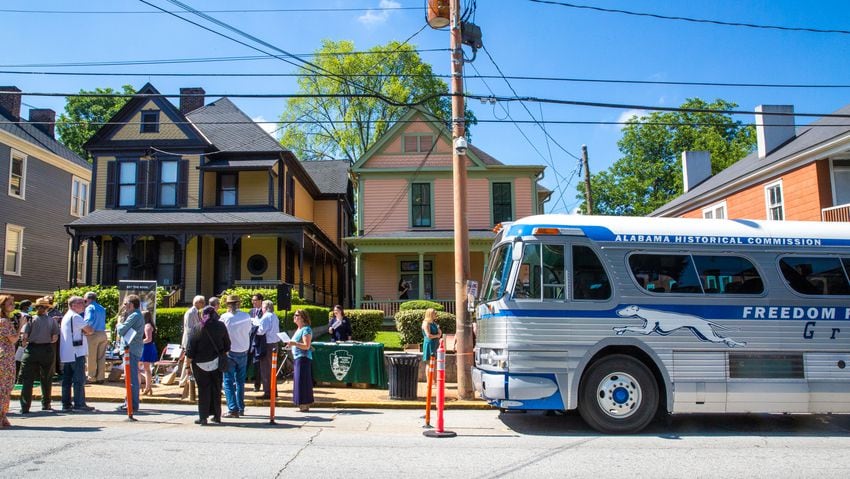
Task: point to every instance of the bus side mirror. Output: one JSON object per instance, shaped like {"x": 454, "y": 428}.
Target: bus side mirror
{"x": 516, "y": 252}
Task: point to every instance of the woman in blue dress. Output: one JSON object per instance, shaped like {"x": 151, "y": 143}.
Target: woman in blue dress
{"x": 149, "y": 354}
{"x": 430, "y": 334}
{"x": 302, "y": 391}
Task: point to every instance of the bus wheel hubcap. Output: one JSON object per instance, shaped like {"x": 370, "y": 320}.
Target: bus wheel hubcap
{"x": 619, "y": 395}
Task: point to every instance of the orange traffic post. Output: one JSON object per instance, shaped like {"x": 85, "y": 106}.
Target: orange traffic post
{"x": 441, "y": 394}
{"x": 128, "y": 386}
{"x": 273, "y": 385}
{"x": 431, "y": 364}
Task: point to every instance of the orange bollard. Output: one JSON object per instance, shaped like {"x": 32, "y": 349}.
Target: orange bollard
{"x": 127, "y": 384}
{"x": 273, "y": 386}
{"x": 441, "y": 394}
{"x": 431, "y": 363}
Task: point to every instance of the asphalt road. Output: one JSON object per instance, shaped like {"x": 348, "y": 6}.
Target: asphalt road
{"x": 389, "y": 443}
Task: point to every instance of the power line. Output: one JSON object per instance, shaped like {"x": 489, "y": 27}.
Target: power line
{"x": 693, "y": 20}
{"x": 397, "y": 75}
{"x": 243, "y": 10}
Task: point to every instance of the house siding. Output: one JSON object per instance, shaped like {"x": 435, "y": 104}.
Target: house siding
{"x": 132, "y": 131}
{"x": 99, "y": 173}
{"x": 303, "y": 202}
{"x": 253, "y": 188}
{"x": 266, "y": 247}
{"x": 805, "y": 192}
{"x": 385, "y": 205}
{"x": 43, "y": 214}
{"x": 326, "y": 218}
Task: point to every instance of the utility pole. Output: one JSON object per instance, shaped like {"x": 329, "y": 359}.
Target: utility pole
{"x": 588, "y": 198}
{"x": 463, "y": 334}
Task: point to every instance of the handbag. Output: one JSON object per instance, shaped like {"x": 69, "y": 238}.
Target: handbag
{"x": 223, "y": 360}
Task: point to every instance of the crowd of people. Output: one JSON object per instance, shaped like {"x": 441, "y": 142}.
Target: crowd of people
{"x": 39, "y": 340}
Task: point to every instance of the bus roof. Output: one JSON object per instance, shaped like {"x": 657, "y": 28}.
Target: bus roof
{"x": 641, "y": 230}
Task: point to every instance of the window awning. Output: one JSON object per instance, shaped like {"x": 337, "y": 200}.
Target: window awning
{"x": 241, "y": 165}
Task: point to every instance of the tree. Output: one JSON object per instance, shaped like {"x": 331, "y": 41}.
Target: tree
{"x": 84, "y": 115}
{"x": 345, "y": 127}
{"x": 649, "y": 174}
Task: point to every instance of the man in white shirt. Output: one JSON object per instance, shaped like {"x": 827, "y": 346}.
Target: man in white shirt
{"x": 268, "y": 326}
{"x": 72, "y": 354}
{"x": 238, "y": 325}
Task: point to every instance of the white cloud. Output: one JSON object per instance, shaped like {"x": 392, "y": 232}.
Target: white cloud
{"x": 270, "y": 127}
{"x": 377, "y": 17}
{"x": 628, "y": 114}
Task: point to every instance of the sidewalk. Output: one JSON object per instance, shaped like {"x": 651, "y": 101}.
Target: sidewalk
{"x": 326, "y": 397}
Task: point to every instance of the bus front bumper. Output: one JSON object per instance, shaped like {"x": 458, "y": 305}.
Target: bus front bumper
{"x": 517, "y": 391}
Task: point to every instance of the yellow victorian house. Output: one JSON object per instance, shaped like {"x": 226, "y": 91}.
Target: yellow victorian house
{"x": 200, "y": 198}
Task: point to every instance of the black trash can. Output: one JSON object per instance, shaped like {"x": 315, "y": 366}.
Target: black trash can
{"x": 403, "y": 373}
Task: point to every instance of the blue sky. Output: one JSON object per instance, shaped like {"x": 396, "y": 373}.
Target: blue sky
{"x": 524, "y": 38}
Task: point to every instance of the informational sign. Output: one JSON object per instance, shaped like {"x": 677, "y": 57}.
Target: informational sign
{"x": 145, "y": 290}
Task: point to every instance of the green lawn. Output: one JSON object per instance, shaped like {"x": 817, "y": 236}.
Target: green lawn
{"x": 390, "y": 339}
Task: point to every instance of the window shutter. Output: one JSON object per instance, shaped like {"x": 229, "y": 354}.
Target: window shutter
{"x": 153, "y": 183}
{"x": 410, "y": 145}
{"x": 141, "y": 183}
{"x": 111, "y": 183}
{"x": 183, "y": 183}
{"x": 425, "y": 143}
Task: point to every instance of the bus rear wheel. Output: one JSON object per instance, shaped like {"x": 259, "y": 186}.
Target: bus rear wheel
{"x": 618, "y": 395}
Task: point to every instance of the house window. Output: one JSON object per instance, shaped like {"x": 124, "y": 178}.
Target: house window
{"x": 840, "y": 182}
{"x": 122, "y": 261}
{"x": 227, "y": 189}
{"x": 168, "y": 183}
{"x": 14, "y": 249}
{"x": 502, "y": 203}
{"x": 79, "y": 197}
{"x": 150, "y": 121}
{"x": 417, "y": 143}
{"x": 17, "y": 175}
{"x": 166, "y": 264}
{"x": 773, "y": 200}
{"x": 715, "y": 212}
{"x": 409, "y": 272}
{"x": 126, "y": 184}
{"x": 82, "y": 255}
{"x": 420, "y": 201}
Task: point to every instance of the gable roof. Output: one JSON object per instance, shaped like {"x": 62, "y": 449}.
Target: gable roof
{"x": 807, "y": 138}
{"x": 330, "y": 176}
{"x": 435, "y": 125}
{"x": 28, "y": 132}
{"x": 229, "y": 129}
{"x": 126, "y": 112}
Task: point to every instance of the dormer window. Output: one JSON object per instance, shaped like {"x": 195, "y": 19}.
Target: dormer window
{"x": 150, "y": 121}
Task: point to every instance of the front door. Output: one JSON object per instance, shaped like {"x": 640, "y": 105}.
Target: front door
{"x": 220, "y": 278}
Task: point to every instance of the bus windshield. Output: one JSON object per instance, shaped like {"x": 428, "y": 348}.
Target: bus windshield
{"x": 496, "y": 276}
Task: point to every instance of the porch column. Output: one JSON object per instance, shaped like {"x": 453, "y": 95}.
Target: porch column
{"x": 422, "y": 275}
{"x": 72, "y": 271}
{"x": 358, "y": 279}
{"x": 301, "y": 268}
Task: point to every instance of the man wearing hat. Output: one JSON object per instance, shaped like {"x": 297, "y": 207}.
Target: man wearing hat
{"x": 38, "y": 337}
{"x": 238, "y": 325}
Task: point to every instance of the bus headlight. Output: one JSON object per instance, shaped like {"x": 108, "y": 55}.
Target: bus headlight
{"x": 493, "y": 358}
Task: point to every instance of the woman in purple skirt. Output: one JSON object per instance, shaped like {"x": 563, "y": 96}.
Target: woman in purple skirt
{"x": 302, "y": 392}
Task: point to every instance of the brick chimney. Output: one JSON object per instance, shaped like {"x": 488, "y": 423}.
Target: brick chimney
{"x": 191, "y": 99}
{"x": 696, "y": 168}
{"x": 45, "y": 120}
{"x": 772, "y": 130}
{"x": 10, "y": 102}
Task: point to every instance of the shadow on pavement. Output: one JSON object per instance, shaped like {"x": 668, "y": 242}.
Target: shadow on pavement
{"x": 58, "y": 428}
{"x": 541, "y": 423}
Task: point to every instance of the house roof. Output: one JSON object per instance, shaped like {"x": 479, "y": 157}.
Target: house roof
{"x": 330, "y": 176}
{"x": 808, "y": 137}
{"x": 117, "y": 218}
{"x": 484, "y": 156}
{"x": 423, "y": 235}
{"x": 31, "y": 134}
{"x": 237, "y": 164}
{"x": 235, "y": 131}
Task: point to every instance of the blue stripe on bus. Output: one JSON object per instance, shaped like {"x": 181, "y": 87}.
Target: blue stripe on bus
{"x": 707, "y": 312}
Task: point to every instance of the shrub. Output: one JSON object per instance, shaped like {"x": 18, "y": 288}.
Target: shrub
{"x": 365, "y": 323}
{"x": 107, "y": 296}
{"x": 409, "y": 324}
{"x": 169, "y": 326}
{"x": 420, "y": 304}
{"x": 318, "y": 316}
{"x": 245, "y": 295}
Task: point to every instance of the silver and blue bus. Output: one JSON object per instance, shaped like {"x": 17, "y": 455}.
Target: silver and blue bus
{"x": 627, "y": 319}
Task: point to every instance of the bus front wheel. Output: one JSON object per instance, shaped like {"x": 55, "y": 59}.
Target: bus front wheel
{"x": 618, "y": 395}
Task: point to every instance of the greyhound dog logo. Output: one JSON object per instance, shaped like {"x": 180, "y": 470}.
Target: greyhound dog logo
{"x": 664, "y": 323}
{"x": 341, "y": 362}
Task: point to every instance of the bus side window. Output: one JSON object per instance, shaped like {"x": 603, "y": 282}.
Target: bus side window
{"x": 667, "y": 273}
{"x": 727, "y": 274}
{"x": 528, "y": 280}
{"x": 589, "y": 278}
{"x": 553, "y": 272}
{"x": 815, "y": 275}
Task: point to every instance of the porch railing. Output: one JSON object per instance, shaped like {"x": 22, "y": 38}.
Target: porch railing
{"x": 173, "y": 298}
{"x": 836, "y": 213}
{"x": 391, "y": 306}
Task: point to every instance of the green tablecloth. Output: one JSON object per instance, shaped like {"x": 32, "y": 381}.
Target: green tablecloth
{"x": 349, "y": 363}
